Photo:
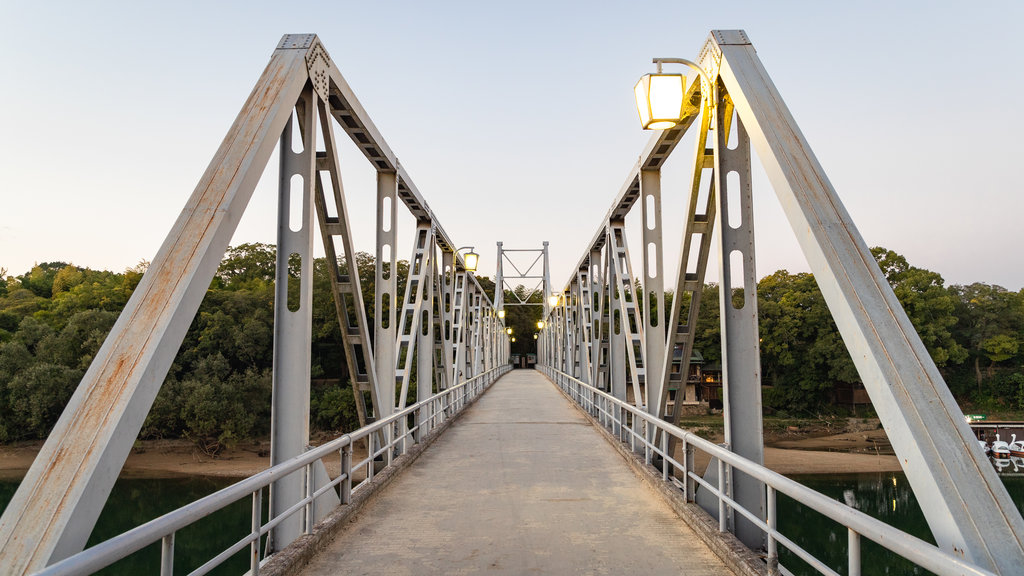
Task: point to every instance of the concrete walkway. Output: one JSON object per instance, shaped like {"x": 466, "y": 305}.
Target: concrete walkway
{"x": 522, "y": 484}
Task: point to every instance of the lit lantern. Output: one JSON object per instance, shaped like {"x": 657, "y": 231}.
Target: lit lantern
{"x": 508, "y": 330}
{"x": 501, "y": 313}
{"x": 553, "y": 299}
{"x": 540, "y": 324}
{"x": 659, "y": 100}
{"x": 470, "y": 260}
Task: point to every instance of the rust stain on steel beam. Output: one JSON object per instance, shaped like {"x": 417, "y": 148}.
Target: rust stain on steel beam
{"x": 78, "y": 441}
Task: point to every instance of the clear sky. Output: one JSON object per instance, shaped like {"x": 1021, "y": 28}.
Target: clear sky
{"x": 515, "y": 119}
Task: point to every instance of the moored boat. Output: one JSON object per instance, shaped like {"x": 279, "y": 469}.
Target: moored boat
{"x": 1000, "y": 449}
{"x": 1015, "y": 446}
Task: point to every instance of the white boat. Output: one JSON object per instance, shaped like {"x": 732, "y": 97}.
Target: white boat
{"x": 1016, "y": 446}
{"x": 1000, "y": 449}
{"x": 985, "y": 447}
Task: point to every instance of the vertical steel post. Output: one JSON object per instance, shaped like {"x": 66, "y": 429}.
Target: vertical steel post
{"x": 447, "y": 307}
{"x": 741, "y": 352}
{"x": 385, "y": 290}
{"x": 293, "y": 316}
{"x": 596, "y": 315}
{"x": 616, "y": 333}
{"x": 499, "y": 281}
{"x": 654, "y": 289}
{"x": 425, "y": 341}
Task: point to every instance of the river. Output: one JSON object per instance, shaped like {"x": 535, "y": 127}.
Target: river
{"x": 886, "y": 496}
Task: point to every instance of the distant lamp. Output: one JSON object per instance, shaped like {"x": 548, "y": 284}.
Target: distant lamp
{"x": 469, "y": 259}
{"x": 501, "y": 313}
{"x": 513, "y": 338}
{"x": 540, "y": 324}
{"x": 508, "y": 330}
{"x": 554, "y": 298}
{"x": 534, "y": 336}
{"x": 660, "y": 97}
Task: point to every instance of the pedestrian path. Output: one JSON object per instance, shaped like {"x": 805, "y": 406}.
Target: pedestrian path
{"x": 521, "y": 484}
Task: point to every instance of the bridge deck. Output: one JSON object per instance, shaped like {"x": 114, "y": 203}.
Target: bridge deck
{"x": 521, "y": 484}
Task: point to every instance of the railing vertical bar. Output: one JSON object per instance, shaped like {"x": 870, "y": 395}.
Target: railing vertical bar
{"x": 310, "y": 488}
{"x": 722, "y": 520}
{"x": 257, "y": 521}
{"x": 853, "y": 549}
{"x": 346, "y": 469}
{"x": 167, "y": 555}
{"x": 664, "y": 455}
{"x": 773, "y": 545}
{"x": 370, "y": 457}
{"x": 688, "y": 463}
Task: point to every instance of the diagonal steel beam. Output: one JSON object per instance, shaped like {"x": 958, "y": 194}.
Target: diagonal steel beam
{"x": 967, "y": 507}
{"x": 57, "y": 504}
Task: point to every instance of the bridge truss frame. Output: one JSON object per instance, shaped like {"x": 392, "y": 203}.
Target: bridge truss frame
{"x": 611, "y": 338}
{"x": 445, "y": 321}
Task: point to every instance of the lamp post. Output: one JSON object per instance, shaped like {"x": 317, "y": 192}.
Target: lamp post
{"x": 659, "y": 96}
{"x": 470, "y": 260}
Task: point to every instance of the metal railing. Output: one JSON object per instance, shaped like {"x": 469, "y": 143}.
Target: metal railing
{"x": 395, "y": 430}
{"x": 643, "y": 432}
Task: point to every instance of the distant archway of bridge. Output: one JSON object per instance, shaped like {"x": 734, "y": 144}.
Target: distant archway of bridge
{"x": 601, "y": 344}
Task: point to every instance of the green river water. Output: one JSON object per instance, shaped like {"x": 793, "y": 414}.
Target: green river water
{"x": 886, "y": 496}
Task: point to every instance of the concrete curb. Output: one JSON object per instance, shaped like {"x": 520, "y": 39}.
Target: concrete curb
{"x": 297, "y": 554}
{"x": 740, "y": 559}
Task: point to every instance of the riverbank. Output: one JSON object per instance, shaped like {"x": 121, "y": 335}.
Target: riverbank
{"x": 856, "y": 447}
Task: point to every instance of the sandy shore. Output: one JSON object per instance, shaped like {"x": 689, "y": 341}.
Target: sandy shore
{"x": 787, "y": 453}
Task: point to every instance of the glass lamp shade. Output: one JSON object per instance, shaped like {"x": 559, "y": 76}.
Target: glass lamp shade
{"x": 659, "y": 100}
{"x": 470, "y": 261}
{"x": 534, "y": 336}
{"x": 501, "y": 313}
{"x": 540, "y": 324}
{"x": 553, "y": 299}
{"x": 508, "y": 331}
{"x": 513, "y": 338}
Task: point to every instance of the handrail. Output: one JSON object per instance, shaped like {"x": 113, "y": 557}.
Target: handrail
{"x": 910, "y": 547}
{"x": 121, "y": 546}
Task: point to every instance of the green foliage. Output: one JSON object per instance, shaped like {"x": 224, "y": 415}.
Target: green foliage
{"x": 802, "y": 353}
{"x": 36, "y": 396}
{"x": 54, "y": 318}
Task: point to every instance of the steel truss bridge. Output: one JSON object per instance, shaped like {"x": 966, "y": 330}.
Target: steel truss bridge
{"x": 600, "y": 344}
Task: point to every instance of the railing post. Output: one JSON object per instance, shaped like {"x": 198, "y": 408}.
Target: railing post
{"x": 257, "y": 522}
{"x": 773, "y": 547}
{"x": 370, "y": 458}
{"x": 689, "y": 482}
{"x": 645, "y": 430}
{"x": 853, "y": 549}
{"x": 167, "y": 555}
{"x": 310, "y": 488}
{"x": 722, "y": 520}
{"x": 664, "y": 455}
{"x": 346, "y": 469}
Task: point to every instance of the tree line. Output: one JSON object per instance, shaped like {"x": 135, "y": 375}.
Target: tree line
{"x": 54, "y": 317}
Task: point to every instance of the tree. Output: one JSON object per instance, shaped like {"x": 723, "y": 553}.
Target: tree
{"x": 927, "y": 303}
{"x": 802, "y": 353}
{"x": 988, "y": 318}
